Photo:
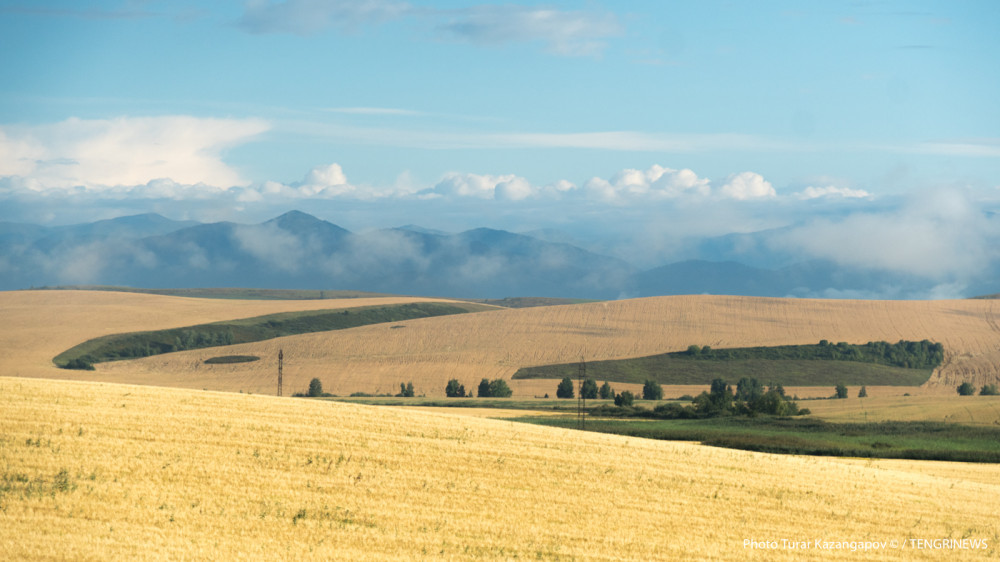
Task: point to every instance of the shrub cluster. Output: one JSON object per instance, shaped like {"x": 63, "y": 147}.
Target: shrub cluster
{"x": 496, "y": 388}
{"x": 454, "y": 389}
{"x": 907, "y": 354}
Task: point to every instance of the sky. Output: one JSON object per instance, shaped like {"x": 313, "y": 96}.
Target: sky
{"x": 854, "y": 123}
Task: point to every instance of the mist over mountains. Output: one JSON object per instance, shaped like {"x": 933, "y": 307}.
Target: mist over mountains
{"x": 297, "y": 250}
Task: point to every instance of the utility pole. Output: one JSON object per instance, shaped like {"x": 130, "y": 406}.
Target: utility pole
{"x": 581, "y": 401}
{"x": 281, "y": 359}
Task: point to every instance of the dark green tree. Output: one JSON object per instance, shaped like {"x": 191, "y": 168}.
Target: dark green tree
{"x": 841, "y": 391}
{"x": 720, "y": 395}
{"x": 406, "y": 389}
{"x": 484, "y": 389}
{"x": 966, "y": 389}
{"x": 606, "y": 392}
{"x": 651, "y": 390}
{"x": 589, "y": 390}
{"x": 624, "y": 399}
{"x": 499, "y": 389}
{"x": 863, "y": 393}
{"x": 990, "y": 390}
{"x": 565, "y": 388}
{"x": 315, "y": 388}
{"x": 454, "y": 390}
{"x": 749, "y": 390}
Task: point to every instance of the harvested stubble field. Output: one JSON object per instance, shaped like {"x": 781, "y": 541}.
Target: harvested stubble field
{"x": 98, "y": 471}
{"x": 38, "y": 325}
{"x": 495, "y": 344}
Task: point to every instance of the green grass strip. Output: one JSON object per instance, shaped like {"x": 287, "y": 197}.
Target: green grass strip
{"x": 809, "y": 436}
{"x": 144, "y": 344}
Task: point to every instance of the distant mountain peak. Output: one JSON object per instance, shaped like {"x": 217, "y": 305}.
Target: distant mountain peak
{"x": 297, "y": 221}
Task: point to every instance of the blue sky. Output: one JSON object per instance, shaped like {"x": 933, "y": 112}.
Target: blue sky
{"x": 650, "y": 120}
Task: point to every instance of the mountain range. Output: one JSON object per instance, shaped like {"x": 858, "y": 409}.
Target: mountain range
{"x": 297, "y": 250}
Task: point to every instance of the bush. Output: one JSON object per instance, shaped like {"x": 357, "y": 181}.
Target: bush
{"x": 315, "y": 388}
{"x": 989, "y": 390}
{"x": 79, "y": 364}
{"x": 406, "y": 390}
{"x": 863, "y": 393}
{"x": 454, "y": 389}
{"x": 652, "y": 391}
{"x": 589, "y": 390}
{"x": 499, "y": 389}
{"x": 565, "y": 388}
{"x": 606, "y": 392}
{"x": 484, "y": 389}
{"x": 841, "y": 391}
{"x": 966, "y": 389}
{"x": 624, "y": 399}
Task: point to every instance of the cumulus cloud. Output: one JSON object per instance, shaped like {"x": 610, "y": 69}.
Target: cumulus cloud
{"x": 659, "y": 182}
{"x": 103, "y": 153}
{"x": 747, "y": 185}
{"x": 832, "y": 192}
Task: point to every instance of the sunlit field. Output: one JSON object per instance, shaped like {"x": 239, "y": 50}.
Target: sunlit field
{"x": 98, "y": 471}
{"x": 494, "y": 344}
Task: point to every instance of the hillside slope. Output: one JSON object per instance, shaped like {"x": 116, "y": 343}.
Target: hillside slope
{"x": 495, "y": 344}
{"x": 38, "y": 325}
{"x": 91, "y": 471}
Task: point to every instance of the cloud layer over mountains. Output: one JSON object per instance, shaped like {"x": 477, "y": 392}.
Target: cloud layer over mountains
{"x": 297, "y": 250}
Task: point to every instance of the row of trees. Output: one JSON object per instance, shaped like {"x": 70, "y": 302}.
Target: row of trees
{"x": 651, "y": 390}
{"x": 908, "y": 354}
{"x": 496, "y": 388}
{"x": 750, "y": 398}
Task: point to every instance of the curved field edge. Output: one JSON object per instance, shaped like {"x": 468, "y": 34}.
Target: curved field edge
{"x": 874, "y": 363}
{"x": 495, "y": 344}
{"x": 87, "y": 468}
{"x": 248, "y": 330}
{"x": 915, "y": 440}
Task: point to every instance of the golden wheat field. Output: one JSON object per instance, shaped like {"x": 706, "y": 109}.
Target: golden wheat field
{"x": 493, "y": 344}
{"x": 102, "y": 471}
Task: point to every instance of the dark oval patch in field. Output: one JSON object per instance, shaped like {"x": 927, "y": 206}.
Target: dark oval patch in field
{"x": 232, "y": 359}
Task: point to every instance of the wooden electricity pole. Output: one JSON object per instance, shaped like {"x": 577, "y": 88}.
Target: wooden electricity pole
{"x": 281, "y": 359}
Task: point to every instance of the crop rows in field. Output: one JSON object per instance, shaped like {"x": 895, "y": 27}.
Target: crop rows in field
{"x": 97, "y": 471}
{"x": 496, "y": 344}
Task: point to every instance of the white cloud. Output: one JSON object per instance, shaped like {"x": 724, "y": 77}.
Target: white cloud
{"x": 656, "y": 182}
{"x": 832, "y": 191}
{"x": 747, "y": 185}
{"x": 507, "y": 186}
{"x": 940, "y": 235}
{"x": 125, "y": 151}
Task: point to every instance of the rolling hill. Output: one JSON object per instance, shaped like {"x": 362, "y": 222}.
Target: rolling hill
{"x": 42, "y": 324}
{"x": 97, "y": 471}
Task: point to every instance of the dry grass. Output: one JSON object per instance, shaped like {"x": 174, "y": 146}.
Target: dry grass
{"x": 92, "y": 471}
{"x": 495, "y": 344}
{"x": 38, "y": 325}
